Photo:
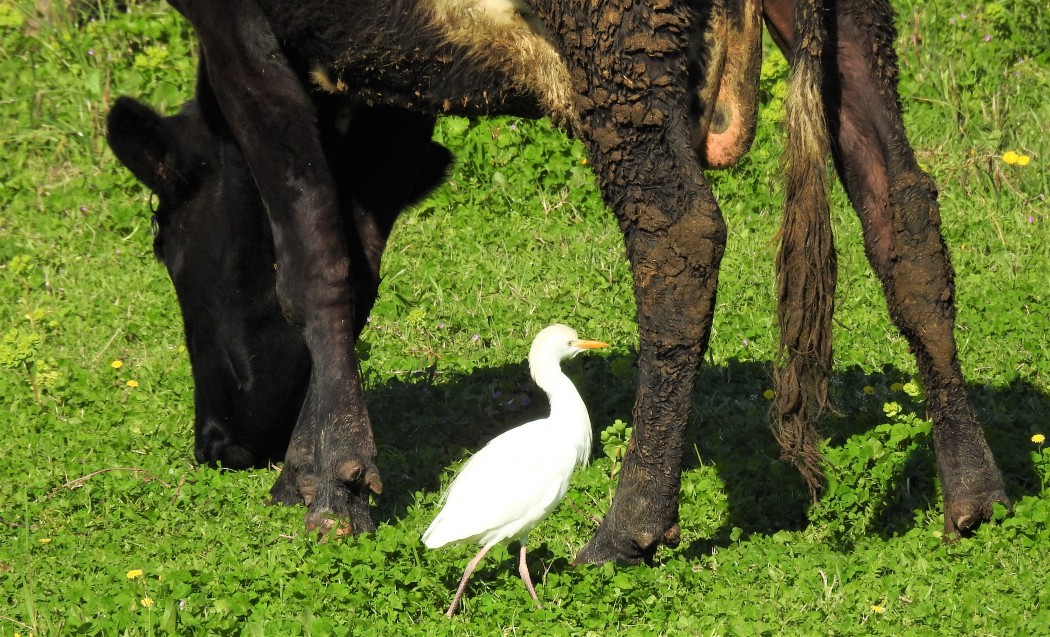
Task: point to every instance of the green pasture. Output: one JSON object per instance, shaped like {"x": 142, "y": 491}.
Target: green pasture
{"x": 107, "y": 527}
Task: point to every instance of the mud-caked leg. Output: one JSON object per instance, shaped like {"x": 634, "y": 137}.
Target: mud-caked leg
{"x": 675, "y": 266}
{"x": 897, "y": 205}
{"x": 638, "y": 134}
{"x": 272, "y": 118}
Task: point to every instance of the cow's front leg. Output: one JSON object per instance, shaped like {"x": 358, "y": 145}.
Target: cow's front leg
{"x": 385, "y": 162}
{"x": 633, "y": 117}
{"x": 897, "y": 205}
{"x": 331, "y": 464}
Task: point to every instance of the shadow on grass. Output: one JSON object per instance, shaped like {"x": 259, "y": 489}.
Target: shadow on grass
{"x": 428, "y": 421}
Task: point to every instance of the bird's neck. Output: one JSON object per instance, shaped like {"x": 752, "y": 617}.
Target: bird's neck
{"x": 568, "y": 410}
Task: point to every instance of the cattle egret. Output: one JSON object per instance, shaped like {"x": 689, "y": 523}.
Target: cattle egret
{"x": 516, "y": 480}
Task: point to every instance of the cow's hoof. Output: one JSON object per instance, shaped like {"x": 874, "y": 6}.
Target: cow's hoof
{"x": 349, "y": 517}
{"x": 340, "y": 505}
{"x": 963, "y": 516}
{"x": 290, "y": 492}
{"x": 295, "y": 484}
{"x": 326, "y": 525}
{"x": 620, "y": 545}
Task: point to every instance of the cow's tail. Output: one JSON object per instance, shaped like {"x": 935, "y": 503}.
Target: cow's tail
{"x": 806, "y": 268}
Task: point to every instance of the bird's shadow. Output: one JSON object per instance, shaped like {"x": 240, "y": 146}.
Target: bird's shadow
{"x": 426, "y": 421}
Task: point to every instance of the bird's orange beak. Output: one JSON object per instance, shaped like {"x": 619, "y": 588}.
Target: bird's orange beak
{"x": 589, "y": 344}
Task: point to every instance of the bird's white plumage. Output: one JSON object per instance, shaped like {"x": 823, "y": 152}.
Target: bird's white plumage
{"x": 506, "y": 489}
{"x": 510, "y": 485}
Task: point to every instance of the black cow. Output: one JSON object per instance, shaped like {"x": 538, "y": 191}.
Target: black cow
{"x": 251, "y": 366}
{"x": 656, "y": 90}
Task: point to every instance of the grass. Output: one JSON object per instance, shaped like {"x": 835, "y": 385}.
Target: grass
{"x": 98, "y": 483}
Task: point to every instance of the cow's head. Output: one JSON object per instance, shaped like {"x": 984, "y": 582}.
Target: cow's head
{"x": 250, "y": 366}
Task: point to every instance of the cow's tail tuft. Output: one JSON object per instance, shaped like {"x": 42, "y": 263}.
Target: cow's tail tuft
{"x": 806, "y": 267}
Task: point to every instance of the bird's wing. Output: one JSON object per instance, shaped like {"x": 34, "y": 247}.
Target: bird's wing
{"x": 503, "y": 490}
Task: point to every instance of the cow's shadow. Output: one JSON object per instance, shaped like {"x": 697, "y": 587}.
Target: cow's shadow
{"x": 426, "y": 421}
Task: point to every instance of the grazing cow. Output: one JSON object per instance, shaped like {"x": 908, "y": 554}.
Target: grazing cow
{"x": 250, "y": 366}
{"x": 657, "y": 90}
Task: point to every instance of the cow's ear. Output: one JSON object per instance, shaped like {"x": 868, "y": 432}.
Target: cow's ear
{"x": 433, "y": 172}
{"x": 142, "y": 140}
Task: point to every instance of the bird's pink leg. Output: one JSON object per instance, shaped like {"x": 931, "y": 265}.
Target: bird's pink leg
{"x": 523, "y": 570}
{"x": 463, "y": 582}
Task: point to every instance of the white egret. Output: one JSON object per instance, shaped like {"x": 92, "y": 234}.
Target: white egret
{"x": 510, "y": 485}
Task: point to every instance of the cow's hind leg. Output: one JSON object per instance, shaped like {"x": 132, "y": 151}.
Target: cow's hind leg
{"x": 272, "y": 118}
{"x": 897, "y": 205}
{"x": 637, "y": 130}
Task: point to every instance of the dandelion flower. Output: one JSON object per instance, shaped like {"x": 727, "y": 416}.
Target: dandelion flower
{"x": 875, "y": 608}
{"x": 769, "y": 394}
{"x": 1016, "y": 159}
{"x": 869, "y": 390}
{"x": 1039, "y": 439}
{"x": 47, "y": 540}
{"x": 132, "y": 383}
{"x": 117, "y": 364}
{"x": 135, "y": 572}
{"x": 583, "y": 161}
{"x": 147, "y": 602}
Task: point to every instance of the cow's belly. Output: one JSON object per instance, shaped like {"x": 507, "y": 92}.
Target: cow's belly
{"x": 457, "y": 56}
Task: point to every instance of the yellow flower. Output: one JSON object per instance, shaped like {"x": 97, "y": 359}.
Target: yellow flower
{"x": 1039, "y": 439}
{"x": 135, "y": 572}
{"x": 45, "y": 540}
{"x": 1016, "y": 159}
{"x": 132, "y": 383}
{"x": 583, "y": 161}
{"x": 147, "y": 602}
{"x": 875, "y": 608}
{"x": 869, "y": 390}
{"x": 116, "y": 364}
{"x": 769, "y": 394}
{"x": 896, "y": 387}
